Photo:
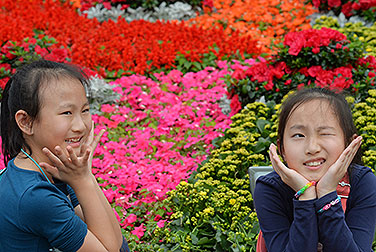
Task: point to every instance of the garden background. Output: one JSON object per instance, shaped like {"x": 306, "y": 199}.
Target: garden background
{"x": 191, "y": 101}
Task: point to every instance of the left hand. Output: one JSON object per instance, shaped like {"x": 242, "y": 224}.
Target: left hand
{"x": 328, "y": 183}
{"x": 93, "y": 142}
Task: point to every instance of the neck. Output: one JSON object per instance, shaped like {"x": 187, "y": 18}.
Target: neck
{"x": 25, "y": 161}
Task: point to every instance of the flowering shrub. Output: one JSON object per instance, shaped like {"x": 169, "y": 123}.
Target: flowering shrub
{"x": 365, "y": 34}
{"x": 213, "y": 210}
{"x": 364, "y": 114}
{"x": 265, "y": 21}
{"x": 363, "y": 8}
{"x": 158, "y": 133}
{"x": 86, "y": 4}
{"x": 14, "y": 54}
{"x": 323, "y": 58}
{"x": 119, "y": 47}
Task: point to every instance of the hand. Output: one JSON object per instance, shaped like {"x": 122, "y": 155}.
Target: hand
{"x": 67, "y": 167}
{"x": 289, "y": 176}
{"x": 93, "y": 142}
{"x": 328, "y": 183}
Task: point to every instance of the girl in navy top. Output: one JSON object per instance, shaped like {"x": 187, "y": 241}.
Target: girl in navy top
{"x": 297, "y": 205}
{"x": 49, "y": 197}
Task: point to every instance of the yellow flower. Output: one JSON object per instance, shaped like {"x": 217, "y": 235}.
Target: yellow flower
{"x": 232, "y": 201}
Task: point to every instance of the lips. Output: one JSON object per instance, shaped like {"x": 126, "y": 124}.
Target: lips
{"x": 74, "y": 142}
{"x": 314, "y": 163}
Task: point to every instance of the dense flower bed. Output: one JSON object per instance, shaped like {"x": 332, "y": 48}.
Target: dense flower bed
{"x": 158, "y": 133}
{"x": 168, "y": 122}
{"x": 265, "y": 21}
{"x": 313, "y": 57}
{"x": 121, "y": 47}
{"x": 363, "y": 8}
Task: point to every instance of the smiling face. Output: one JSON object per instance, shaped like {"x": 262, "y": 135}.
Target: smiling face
{"x": 64, "y": 118}
{"x": 313, "y": 139}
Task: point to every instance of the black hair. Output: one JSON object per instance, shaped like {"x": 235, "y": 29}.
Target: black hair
{"x": 22, "y": 92}
{"x": 337, "y": 102}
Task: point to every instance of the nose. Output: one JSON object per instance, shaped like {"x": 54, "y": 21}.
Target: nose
{"x": 78, "y": 124}
{"x": 313, "y": 146}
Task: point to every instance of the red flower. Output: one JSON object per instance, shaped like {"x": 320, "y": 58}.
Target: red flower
{"x": 371, "y": 74}
{"x": 346, "y": 9}
{"x": 235, "y": 105}
{"x": 334, "y": 3}
{"x": 316, "y": 50}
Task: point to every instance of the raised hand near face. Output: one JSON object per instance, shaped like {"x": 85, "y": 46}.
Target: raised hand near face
{"x": 289, "y": 176}
{"x": 329, "y": 181}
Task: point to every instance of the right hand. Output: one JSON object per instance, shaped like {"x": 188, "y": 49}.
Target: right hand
{"x": 67, "y": 166}
{"x": 289, "y": 176}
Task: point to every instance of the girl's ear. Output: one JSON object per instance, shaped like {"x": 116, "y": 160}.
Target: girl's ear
{"x": 24, "y": 122}
{"x": 280, "y": 149}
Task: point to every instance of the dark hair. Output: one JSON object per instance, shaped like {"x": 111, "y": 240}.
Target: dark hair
{"x": 22, "y": 92}
{"x": 338, "y": 103}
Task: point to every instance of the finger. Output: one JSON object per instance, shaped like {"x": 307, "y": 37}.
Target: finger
{"x": 97, "y": 139}
{"x": 52, "y": 157}
{"x": 65, "y": 160}
{"x": 51, "y": 170}
{"x": 72, "y": 156}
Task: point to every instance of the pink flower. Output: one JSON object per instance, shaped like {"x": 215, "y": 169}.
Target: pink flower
{"x": 139, "y": 231}
{"x": 161, "y": 223}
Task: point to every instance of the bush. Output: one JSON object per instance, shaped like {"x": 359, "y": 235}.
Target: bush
{"x": 213, "y": 210}
{"x": 362, "y": 8}
{"x": 357, "y": 30}
{"x": 324, "y": 58}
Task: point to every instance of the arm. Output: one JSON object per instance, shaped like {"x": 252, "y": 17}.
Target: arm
{"x": 286, "y": 226}
{"x": 74, "y": 171}
{"x": 355, "y": 232}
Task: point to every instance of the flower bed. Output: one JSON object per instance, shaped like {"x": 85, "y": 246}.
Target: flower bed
{"x": 314, "y": 57}
{"x": 121, "y": 47}
{"x": 158, "y": 133}
{"x": 265, "y": 21}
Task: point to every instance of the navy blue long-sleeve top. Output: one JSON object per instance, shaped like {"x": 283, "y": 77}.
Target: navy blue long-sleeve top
{"x": 295, "y": 225}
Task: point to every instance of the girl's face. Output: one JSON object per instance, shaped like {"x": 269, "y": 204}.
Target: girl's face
{"x": 313, "y": 139}
{"x": 64, "y": 118}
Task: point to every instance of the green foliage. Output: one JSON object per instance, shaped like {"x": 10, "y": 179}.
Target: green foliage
{"x": 340, "y": 65}
{"x": 213, "y": 211}
{"x": 364, "y": 114}
{"x": 352, "y": 30}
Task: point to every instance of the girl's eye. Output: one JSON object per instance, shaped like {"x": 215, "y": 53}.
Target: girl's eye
{"x": 87, "y": 110}
{"x": 67, "y": 113}
{"x": 297, "y": 135}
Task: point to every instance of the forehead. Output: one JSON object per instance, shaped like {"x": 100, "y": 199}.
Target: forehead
{"x": 62, "y": 89}
{"x": 318, "y": 112}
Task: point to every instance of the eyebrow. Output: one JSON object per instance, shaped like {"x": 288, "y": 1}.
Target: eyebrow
{"x": 300, "y": 127}
{"x": 70, "y": 105}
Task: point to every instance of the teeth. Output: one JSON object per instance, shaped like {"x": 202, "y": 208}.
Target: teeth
{"x": 73, "y": 140}
{"x": 314, "y": 163}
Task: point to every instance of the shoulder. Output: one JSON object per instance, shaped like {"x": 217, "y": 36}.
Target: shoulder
{"x": 360, "y": 173}
{"x": 43, "y": 201}
{"x": 272, "y": 183}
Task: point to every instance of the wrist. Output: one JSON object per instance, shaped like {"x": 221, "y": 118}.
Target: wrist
{"x": 309, "y": 194}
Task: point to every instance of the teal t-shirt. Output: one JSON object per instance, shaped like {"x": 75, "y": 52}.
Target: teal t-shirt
{"x": 36, "y": 215}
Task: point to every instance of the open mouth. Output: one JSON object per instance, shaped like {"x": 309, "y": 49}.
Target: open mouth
{"x": 73, "y": 140}
{"x": 314, "y": 163}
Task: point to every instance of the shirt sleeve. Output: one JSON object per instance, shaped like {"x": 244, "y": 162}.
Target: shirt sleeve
{"x": 72, "y": 196}
{"x": 280, "y": 232}
{"x": 46, "y": 212}
{"x": 355, "y": 231}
